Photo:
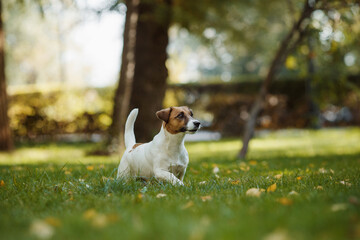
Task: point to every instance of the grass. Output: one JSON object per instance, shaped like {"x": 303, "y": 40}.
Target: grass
{"x": 56, "y": 191}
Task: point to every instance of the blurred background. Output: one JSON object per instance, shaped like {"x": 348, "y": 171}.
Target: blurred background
{"x": 74, "y": 68}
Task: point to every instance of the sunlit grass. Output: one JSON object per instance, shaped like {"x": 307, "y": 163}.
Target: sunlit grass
{"x": 58, "y": 189}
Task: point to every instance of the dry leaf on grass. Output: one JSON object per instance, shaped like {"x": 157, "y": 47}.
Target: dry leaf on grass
{"x": 2, "y": 183}
{"x": 216, "y": 170}
{"x": 347, "y": 184}
{"x": 339, "y": 207}
{"x": 55, "y": 222}
{"x": 299, "y": 178}
{"x": 90, "y": 168}
{"x": 206, "y": 198}
{"x": 253, "y": 192}
{"x": 271, "y": 188}
{"x": 235, "y": 182}
{"x": 161, "y": 195}
{"x": 285, "y": 201}
{"x": 279, "y": 234}
{"x": 188, "y": 205}
{"x": 293, "y": 193}
{"x": 319, "y": 188}
{"x": 253, "y": 162}
{"x": 278, "y": 176}
{"x": 41, "y": 229}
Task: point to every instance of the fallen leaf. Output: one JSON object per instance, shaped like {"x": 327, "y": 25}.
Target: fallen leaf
{"x": 253, "y": 192}
{"x": 112, "y": 217}
{"x": 188, "y": 205}
{"x": 228, "y": 171}
{"x": 139, "y": 197}
{"x": 67, "y": 172}
{"x": 89, "y": 214}
{"x": 2, "y": 183}
{"x": 278, "y": 176}
{"x": 161, "y": 195}
{"x": 252, "y": 162}
{"x": 339, "y": 207}
{"x": 272, "y": 188}
{"x": 279, "y": 234}
{"x": 244, "y": 167}
{"x": 293, "y": 193}
{"x": 99, "y": 221}
{"x": 235, "y": 182}
{"x": 216, "y": 170}
{"x": 55, "y": 222}
{"x": 319, "y": 188}
{"x": 206, "y": 198}
{"x": 299, "y": 178}
{"x": 90, "y": 168}
{"x": 285, "y": 201}
{"x": 41, "y": 229}
{"x": 345, "y": 183}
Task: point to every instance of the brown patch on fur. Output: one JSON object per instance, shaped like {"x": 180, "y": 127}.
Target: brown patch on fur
{"x": 176, "y": 124}
{"x": 135, "y": 146}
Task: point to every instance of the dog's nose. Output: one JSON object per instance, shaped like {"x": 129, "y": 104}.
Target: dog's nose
{"x": 197, "y": 123}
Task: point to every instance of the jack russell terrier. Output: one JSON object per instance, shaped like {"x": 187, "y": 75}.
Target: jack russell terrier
{"x": 165, "y": 157}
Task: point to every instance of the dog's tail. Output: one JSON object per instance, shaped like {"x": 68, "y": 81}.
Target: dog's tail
{"x": 129, "y": 135}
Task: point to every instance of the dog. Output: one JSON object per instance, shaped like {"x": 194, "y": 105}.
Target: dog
{"x": 165, "y": 157}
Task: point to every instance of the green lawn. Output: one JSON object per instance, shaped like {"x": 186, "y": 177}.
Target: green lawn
{"x": 56, "y": 191}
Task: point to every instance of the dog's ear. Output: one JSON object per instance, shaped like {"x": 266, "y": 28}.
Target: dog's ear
{"x": 164, "y": 114}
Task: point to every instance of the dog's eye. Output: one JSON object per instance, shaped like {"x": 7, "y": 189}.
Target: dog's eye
{"x": 181, "y": 115}
{"x": 191, "y": 113}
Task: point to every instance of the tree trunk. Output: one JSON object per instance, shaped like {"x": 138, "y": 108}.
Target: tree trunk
{"x": 6, "y": 143}
{"x": 150, "y": 71}
{"x": 288, "y": 44}
{"x": 123, "y": 90}
{"x": 143, "y": 74}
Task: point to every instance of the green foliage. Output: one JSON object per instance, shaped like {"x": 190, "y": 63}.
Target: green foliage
{"x": 59, "y": 112}
{"x": 57, "y": 189}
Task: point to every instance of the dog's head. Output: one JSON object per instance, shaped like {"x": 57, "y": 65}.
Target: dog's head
{"x": 178, "y": 120}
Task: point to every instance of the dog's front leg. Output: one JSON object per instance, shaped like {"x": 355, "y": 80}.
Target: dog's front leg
{"x": 167, "y": 176}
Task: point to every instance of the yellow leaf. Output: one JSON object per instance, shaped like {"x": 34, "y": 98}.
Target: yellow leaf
{"x": 90, "y": 168}
{"x": 55, "y": 222}
{"x": 319, "y": 188}
{"x": 235, "y": 182}
{"x": 278, "y": 176}
{"x": 253, "y": 192}
{"x": 299, "y": 178}
{"x": 206, "y": 198}
{"x": 285, "y": 201}
{"x": 252, "y": 162}
{"x": 99, "y": 221}
{"x": 272, "y": 188}
{"x": 2, "y": 183}
{"x": 188, "y": 205}
{"x": 67, "y": 172}
{"x": 89, "y": 214}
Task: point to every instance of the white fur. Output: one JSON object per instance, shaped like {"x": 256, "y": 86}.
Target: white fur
{"x": 164, "y": 158}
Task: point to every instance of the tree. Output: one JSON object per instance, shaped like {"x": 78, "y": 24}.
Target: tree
{"x": 288, "y": 44}
{"x": 6, "y": 142}
{"x": 143, "y": 74}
